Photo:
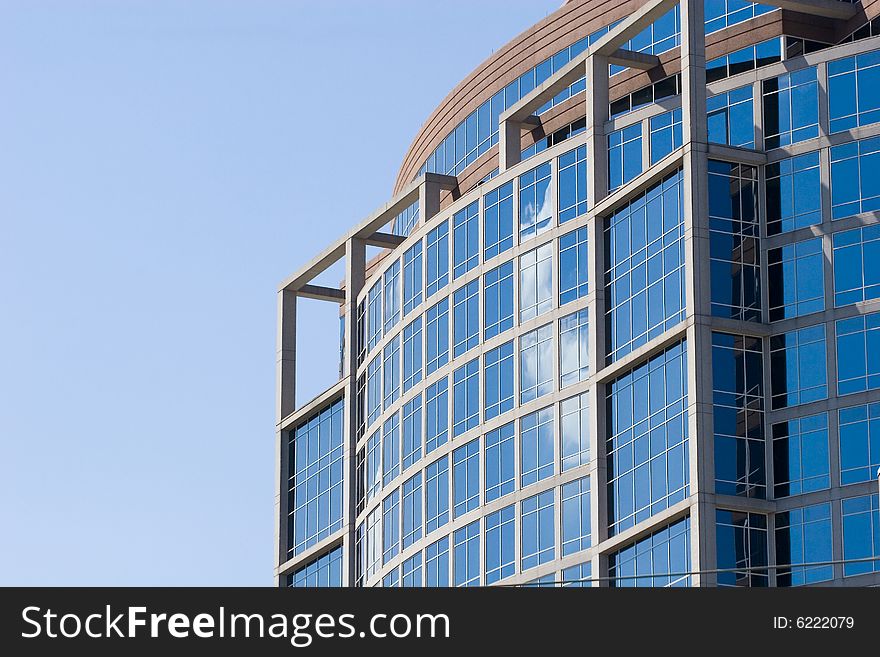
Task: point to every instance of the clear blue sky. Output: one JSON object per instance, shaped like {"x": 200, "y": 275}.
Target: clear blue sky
{"x": 163, "y": 165}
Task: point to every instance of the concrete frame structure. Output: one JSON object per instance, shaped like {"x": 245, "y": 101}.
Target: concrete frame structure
{"x": 441, "y": 196}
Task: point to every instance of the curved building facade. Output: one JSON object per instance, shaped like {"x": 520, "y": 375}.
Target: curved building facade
{"x": 622, "y": 326}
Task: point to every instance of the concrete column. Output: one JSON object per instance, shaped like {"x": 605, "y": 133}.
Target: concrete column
{"x": 597, "y": 188}
{"x": 429, "y": 200}
{"x": 282, "y": 476}
{"x": 646, "y": 143}
{"x": 355, "y": 273}
{"x": 509, "y": 145}
{"x": 695, "y": 212}
{"x": 285, "y": 404}
{"x": 285, "y": 359}
{"x": 598, "y": 478}
{"x": 596, "y": 117}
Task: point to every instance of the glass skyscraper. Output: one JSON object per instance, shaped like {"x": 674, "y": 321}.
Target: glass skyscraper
{"x": 623, "y": 328}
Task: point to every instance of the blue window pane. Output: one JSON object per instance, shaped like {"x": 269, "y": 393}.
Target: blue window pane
{"x": 858, "y": 354}
{"x": 536, "y": 363}
{"x": 374, "y": 390}
{"x": 325, "y": 571}
{"x": 316, "y": 480}
{"x": 391, "y": 526}
{"x": 859, "y": 435}
{"x": 574, "y": 348}
{"x": 574, "y": 266}
{"x": 498, "y": 221}
{"x": 794, "y": 193}
{"x": 437, "y": 563}
{"x": 466, "y": 318}
{"x": 803, "y": 536}
{"x": 412, "y": 353}
{"x": 466, "y": 397}
{"x": 498, "y": 300}
{"x": 536, "y": 282}
{"x": 854, "y": 91}
{"x": 436, "y": 414}
{"x": 374, "y": 315}
{"x": 796, "y": 279}
{"x": 734, "y": 242}
{"x": 861, "y": 534}
{"x": 392, "y": 296}
{"x": 466, "y": 478}
{"x": 645, "y": 283}
{"x": 390, "y": 449}
{"x": 412, "y": 277}
{"x": 798, "y": 367}
{"x": 536, "y": 446}
{"x": 738, "y": 412}
{"x": 662, "y": 559}
{"x": 665, "y": 134}
{"x": 800, "y": 455}
{"x": 437, "y": 249}
{"x": 412, "y": 431}
{"x": 624, "y": 155}
{"x": 411, "y": 571}
{"x": 466, "y": 555}
{"x": 535, "y": 206}
{"x": 436, "y": 336}
{"x": 791, "y": 108}
{"x": 856, "y": 265}
{"x": 731, "y": 118}
{"x": 572, "y": 184}
{"x": 498, "y": 390}
{"x": 575, "y": 516}
{"x": 647, "y": 439}
{"x": 391, "y": 372}
{"x": 538, "y": 530}
{"x": 466, "y": 240}
{"x": 436, "y": 494}
{"x": 579, "y": 575}
{"x": 500, "y": 463}
{"x": 500, "y": 544}
{"x": 741, "y": 547}
{"x": 575, "y": 432}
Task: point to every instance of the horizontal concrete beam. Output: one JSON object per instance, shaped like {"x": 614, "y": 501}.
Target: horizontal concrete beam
{"x": 630, "y": 26}
{"x": 825, "y": 8}
{"x": 608, "y": 46}
{"x": 367, "y": 228}
{"x": 321, "y": 293}
{"x": 634, "y": 59}
{"x": 385, "y": 240}
{"x": 736, "y": 154}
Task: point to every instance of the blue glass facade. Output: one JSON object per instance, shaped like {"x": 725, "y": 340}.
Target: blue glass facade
{"x": 647, "y": 451}
{"x": 663, "y": 559}
{"x": 316, "y": 480}
{"x": 793, "y": 190}
{"x": 734, "y": 241}
{"x": 796, "y": 284}
{"x": 645, "y": 284}
{"x": 481, "y": 383}
{"x": 738, "y": 415}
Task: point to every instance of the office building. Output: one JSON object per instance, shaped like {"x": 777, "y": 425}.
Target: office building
{"x": 623, "y": 328}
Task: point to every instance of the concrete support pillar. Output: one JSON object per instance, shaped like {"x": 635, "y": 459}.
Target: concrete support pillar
{"x": 509, "y": 144}
{"x": 285, "y": 404}
{"x": 429, "y": 200}
{"x": 597, "y": 186}
{"x": 696, "y": 211}
{"x": 596, "y": 117}
{"x": 285, "y": 355}
{"x": 355, "y": 275}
